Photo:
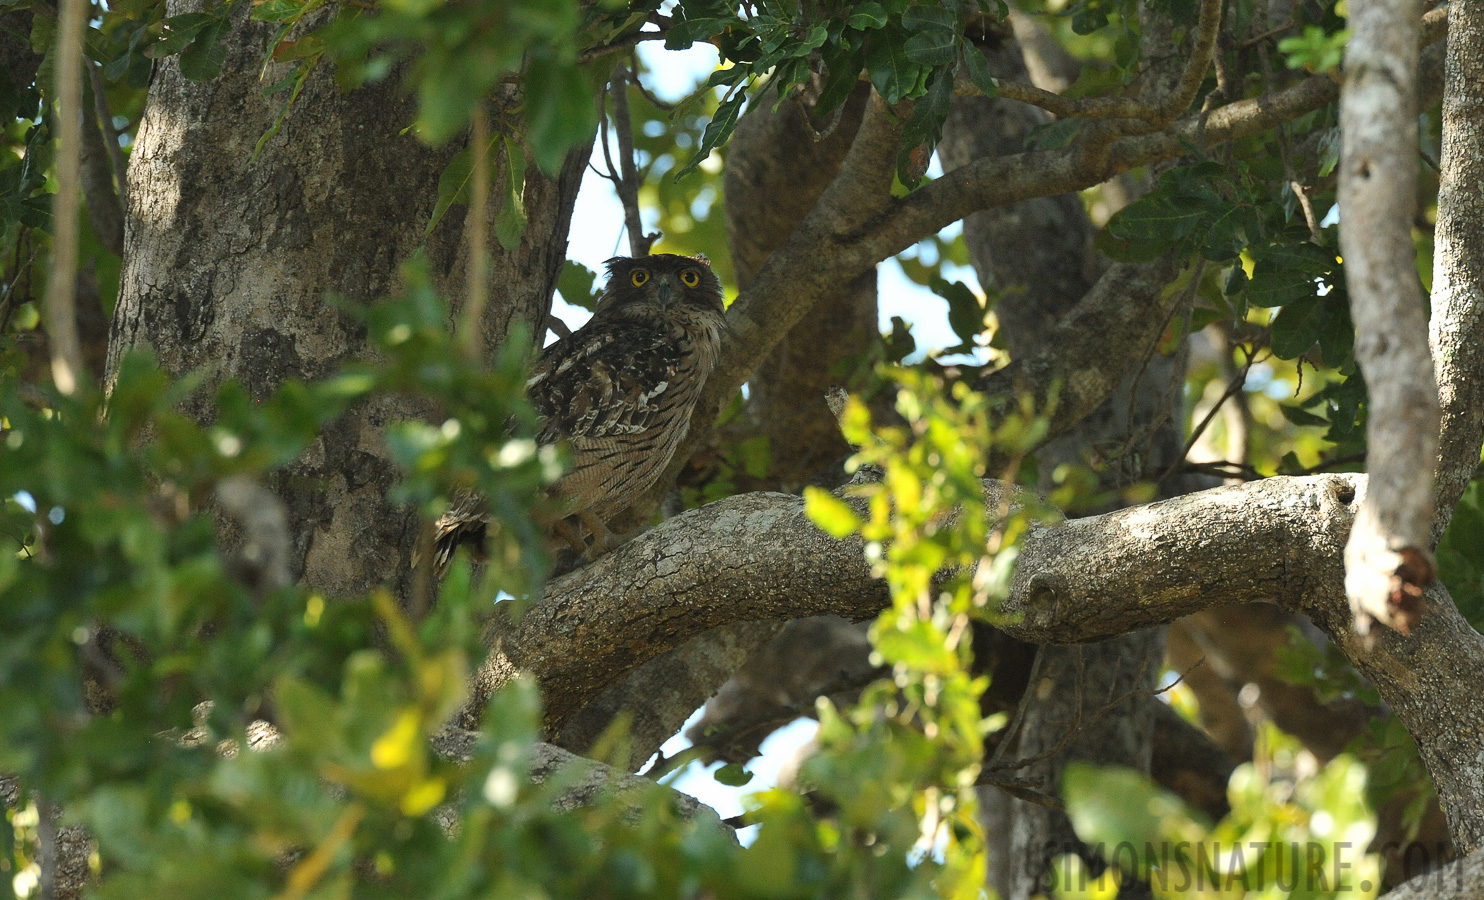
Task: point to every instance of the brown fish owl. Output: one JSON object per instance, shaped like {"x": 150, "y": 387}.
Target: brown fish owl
{"x": 619, "y": 390}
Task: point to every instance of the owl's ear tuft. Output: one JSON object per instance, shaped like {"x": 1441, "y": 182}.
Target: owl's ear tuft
{"x": 614, "y": 263}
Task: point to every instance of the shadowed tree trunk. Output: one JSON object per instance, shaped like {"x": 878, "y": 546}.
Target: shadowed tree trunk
{"x": 230, "y": 262}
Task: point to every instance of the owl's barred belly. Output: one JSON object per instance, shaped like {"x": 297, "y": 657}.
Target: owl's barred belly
{"x": 617, "y": 469}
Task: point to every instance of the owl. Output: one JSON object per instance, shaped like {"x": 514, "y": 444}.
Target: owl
{"x": 618, "y": 391}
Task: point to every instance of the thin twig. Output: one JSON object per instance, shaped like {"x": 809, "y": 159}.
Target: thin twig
{"x": 1307, "y": 206}
{"x": 1059, "y": 106}
{"x": 1078, "y": 726}
{"x": 1208, "y": 28}
{"x": 61, "y": 289}
{"x": 628, "y": 183}
{"x": 638, "y": 83}
{"x": 1267, "y": 35}
{"x": 1020, "y": 708}
{"x": 1236, "y": 384}
{"x": 1186, "y": 300}
{"x": 619, "y": 44}
{"x": 1223, "y": 469}
{"x": 110, "y": 135}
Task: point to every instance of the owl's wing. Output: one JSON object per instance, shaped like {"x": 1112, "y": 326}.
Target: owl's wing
{"x": 604, "y": 381}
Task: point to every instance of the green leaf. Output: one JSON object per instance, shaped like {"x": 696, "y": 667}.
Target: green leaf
{"x": 732, "y": 775}
{"x": 717, "y": 130}
{"x": 576, "y": 285}
{"x": 933, "y": 36}
{"x": 1117, "y": 806}
{"x": 833, "y": 516}
{"x": 1302, "y": 417}
{"x": 178, "y": 32}
{"x": 979, "y": 72}
{"x": 930, "y": 48}
{"x": 1336, "y": 330}
{"x": 1283, "y": 273}
{"x": 866, "y": 16}
{"x": 202, "y": 60}
{"x": 559, "y": 109}
{"x": 453, "y": 186}
{"x": 1236, "y": 282}
{"x": 928, "y": 18}
{"x": 684, "y": 33}
{"x": 1296, "y": 327}
{"x": 1088, "y": 17}
{"x": 306, "y": 713}
{"x": 891, "y": 70}
{"x": 510, "y": 223}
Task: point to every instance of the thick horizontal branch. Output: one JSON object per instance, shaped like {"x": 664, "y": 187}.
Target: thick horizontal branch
{"x": 585, "y": 781}
{"x": 746, "y": 558}
{"x": 756, "y": 556}
{"x": 1461, "y": 879}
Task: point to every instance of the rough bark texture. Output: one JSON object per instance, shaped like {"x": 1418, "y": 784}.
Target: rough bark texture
{"x": 756, "y": 556}
{"x": 1387, "y": 561}
{"x": 1457, "y": 328}
{"x": 1034, "y": 255}
{"x": 1074, "y": 683}
{"x": 229, "y": 263}
{"x": 1462, "y": 879}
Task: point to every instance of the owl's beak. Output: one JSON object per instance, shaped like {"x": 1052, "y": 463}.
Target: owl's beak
{"x": 664, "y": 291}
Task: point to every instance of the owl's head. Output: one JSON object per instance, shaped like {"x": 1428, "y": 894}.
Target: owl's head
{"x": 662, "y": 284}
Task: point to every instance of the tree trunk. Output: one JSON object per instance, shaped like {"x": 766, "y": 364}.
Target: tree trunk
{"x": 231, "y": 264}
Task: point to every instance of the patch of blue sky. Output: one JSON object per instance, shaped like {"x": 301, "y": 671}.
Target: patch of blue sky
{"x": 698, "y": 780}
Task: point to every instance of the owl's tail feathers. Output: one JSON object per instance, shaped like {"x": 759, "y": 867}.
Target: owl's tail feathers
{"x": 466, "y": 522}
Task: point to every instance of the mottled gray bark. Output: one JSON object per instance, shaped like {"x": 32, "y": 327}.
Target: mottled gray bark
{"x": 1388, "y": 560}
{"x": 1462, "y": 879}
{"x": 756, "y": 556}
{"x": 230, "y": 261}
{"x": 1457, "y": 327}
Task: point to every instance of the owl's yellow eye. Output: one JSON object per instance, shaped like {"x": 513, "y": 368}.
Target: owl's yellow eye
{"x": 639, "y": 277}
{"x": 690, "y": 278}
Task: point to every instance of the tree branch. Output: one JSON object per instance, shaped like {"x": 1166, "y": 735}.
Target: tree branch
{"x": 1457, "y": 327}
{"x": 61, "y": 293}
{"x": 1387, "y": 560}
{"x": 1462, "y": 879}
{"x": 626, "y": 179}
{"x": 97, "y": 169}
{"x": 756, "y": 556}
{"x": 1089, "y": 352}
